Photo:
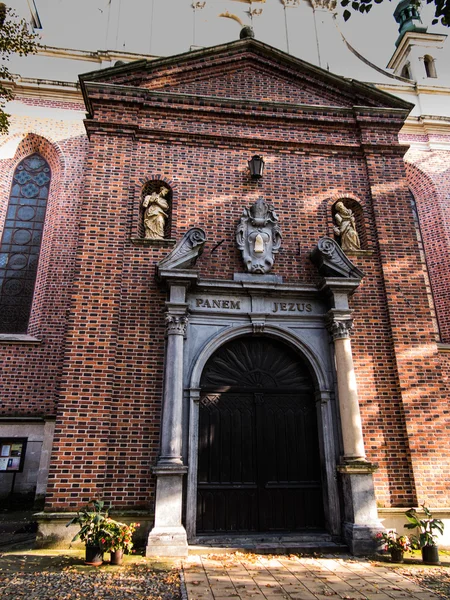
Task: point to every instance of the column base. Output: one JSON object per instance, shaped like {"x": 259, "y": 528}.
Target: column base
{"x": 361, "y": 522}
{"x": 361, "y": 538}
{"x": 167, "y": 541}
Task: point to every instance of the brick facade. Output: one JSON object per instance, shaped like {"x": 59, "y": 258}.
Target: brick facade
{"x": 193, "y": 123}
{"x": 429, "y": 179}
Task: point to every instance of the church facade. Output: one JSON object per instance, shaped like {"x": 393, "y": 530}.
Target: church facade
{"x": 218, "y": 350}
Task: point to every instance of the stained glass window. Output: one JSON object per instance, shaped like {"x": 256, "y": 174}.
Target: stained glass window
{"x": 21, "y": 242}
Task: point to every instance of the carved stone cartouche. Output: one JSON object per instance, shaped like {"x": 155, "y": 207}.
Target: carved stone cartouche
{"x": 258, "y": 237}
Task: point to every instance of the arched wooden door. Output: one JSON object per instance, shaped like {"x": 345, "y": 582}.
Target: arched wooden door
{"x": 258, "y": 458}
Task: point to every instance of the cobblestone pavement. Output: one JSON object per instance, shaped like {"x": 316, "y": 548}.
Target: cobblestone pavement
{"x": 240, "y": 576}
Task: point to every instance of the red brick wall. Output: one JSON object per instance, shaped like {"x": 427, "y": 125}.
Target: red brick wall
{"x": 30, "y": 374}
{"x": 210, "y": 189}
{"x": 419, "y": 375}
{"x": 429, "y": 179}
{"x": 107, "y": 429}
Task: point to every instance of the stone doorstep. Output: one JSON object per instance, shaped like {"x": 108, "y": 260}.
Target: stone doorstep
{"x": 267, "y": 547}
{"x": 296, "y": 543}
{"x": 218, "y": 540}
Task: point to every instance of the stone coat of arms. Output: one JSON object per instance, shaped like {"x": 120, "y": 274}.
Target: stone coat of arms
{"x": 258, "y": 237}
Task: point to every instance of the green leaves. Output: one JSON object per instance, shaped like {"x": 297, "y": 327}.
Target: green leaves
{"x": 90, "y": 519}
{"x": 426, "y": 526}
{"x": 15, "y": 38}
{"x": 442, "y": 9}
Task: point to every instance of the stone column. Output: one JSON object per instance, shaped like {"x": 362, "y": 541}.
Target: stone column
{"x": 360, "y": 512}
{"x": 168, "y": 536}
{"x": 171, "y": 426}
{"x": 339, "y": 324}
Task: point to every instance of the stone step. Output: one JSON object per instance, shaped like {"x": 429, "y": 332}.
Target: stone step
{"x": 307, "y": 543}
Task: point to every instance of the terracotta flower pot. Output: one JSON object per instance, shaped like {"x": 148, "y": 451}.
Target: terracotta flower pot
{"x": 430, "y": 555}
{"x": 116, "y": 557}
{"x": 94, "y": 555}
{"x": 396, "y": 555}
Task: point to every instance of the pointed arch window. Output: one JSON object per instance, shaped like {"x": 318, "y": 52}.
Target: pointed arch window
{"x": 430, "y": 66}
{"x": 21, "y": 242}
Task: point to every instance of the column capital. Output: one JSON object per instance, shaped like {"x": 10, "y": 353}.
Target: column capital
{"x": 339, "y": 324}
{"x": 176, "y": 324}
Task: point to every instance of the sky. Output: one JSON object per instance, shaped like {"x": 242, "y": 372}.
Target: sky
{"x": 165, "y": 27}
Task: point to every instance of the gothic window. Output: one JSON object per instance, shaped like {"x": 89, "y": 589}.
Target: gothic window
{"x": 406, "y": 72}
{"x": 21, "y": 242}
{"x": 430, "y": 67}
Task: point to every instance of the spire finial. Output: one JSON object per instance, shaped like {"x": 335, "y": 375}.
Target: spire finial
{"x": 405, "y": 14}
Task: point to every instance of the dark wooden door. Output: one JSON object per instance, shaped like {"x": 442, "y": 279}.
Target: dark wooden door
{"x": 258, "y": 461}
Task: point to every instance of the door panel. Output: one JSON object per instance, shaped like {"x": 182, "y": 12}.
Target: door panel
{"x": 258, "y": 467}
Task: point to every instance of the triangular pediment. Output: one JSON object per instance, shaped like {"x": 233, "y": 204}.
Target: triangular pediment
{"x": 245, "y": 70}
{"x": 255, "y": 82}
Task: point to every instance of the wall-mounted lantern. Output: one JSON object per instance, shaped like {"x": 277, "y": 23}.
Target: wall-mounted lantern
{"x": 256, "y": 166}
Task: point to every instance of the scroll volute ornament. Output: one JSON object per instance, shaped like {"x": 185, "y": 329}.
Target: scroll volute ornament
{"x": 258, "y": 236}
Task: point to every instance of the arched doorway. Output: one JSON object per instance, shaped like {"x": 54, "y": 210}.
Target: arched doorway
{"x": 258, "y": 450}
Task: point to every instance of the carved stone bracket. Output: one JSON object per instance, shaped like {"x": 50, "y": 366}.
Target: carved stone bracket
{"x": 176, "y": 324}
{"x": 186, "y": 252}
{"x": 331, "y": 261}
{"x": 258, "y": 322}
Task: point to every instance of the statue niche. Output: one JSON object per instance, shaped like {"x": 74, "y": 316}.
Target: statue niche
{"x": 155, "y": 208}
{"x": 258, "y": 237}
{"x": 345, "y": 228}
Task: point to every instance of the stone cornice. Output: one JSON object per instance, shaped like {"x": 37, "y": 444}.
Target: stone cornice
{"x": 170, "y": 137}
{"x": 427, "y": 133}
{"x": 94, "y": 91}
{"x": 242, "y": 49}
{"x": 97, "y": 56}
{"x": 278, "y": 289}
{"x": 19, "y": 338}
{"x": 46, "y": 89}
{"x": 414, "y": 88}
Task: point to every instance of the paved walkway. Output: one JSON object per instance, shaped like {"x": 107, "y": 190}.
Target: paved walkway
{"x": 297, "y": 578}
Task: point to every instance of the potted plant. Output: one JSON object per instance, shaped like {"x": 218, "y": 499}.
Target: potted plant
{"x": 117, "y": 539}
{"x": 397, "y": 545}
{"x": 91, "y": 520}
{"x": 427, "y": 538}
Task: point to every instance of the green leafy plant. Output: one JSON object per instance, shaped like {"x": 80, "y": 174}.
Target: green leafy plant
{"x": 392, "y": 541}
{"x": 91, "y": 519}
{"x": 117, "y": 536}
{"x": 426, "y": 526}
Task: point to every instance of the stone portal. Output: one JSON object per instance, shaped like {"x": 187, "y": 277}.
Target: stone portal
{"x": 258, "y": 452}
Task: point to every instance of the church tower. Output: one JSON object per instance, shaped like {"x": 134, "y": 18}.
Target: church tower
{"x": 418, "y": 52}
